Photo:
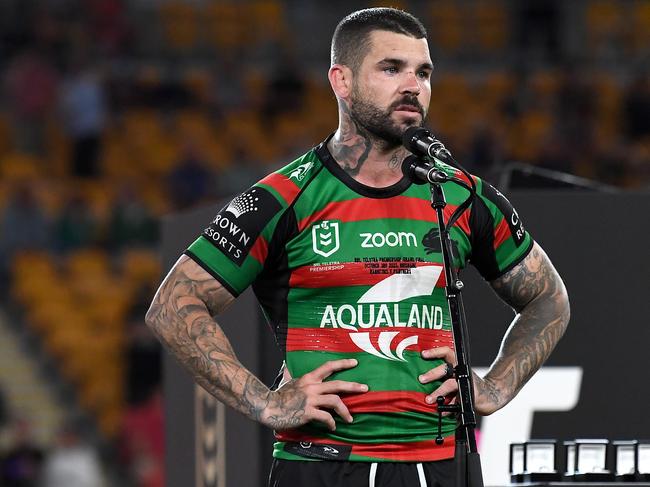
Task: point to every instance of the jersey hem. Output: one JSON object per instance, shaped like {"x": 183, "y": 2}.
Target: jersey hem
{"x": 445, "y": 452}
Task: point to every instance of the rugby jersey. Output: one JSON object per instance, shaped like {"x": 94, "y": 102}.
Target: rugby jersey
{"x": 344, "y": 270}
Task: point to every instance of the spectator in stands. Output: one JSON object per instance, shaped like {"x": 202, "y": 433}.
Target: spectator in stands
{"x": 83, "y": 104}
{"x": 143, "y": 354}
{"x": 143, "y": 443}
{"x": 485, "y": 152}
{"x": 191, "y": 180}
{"x": 636, "y": 108}
{"x": 109, "y": 24}
{"x": 23, "y": 225}
{"x": 285, "y": 91}
{"x": 4, "y": 408}
{"x": 554, "y": 154}
{"x": 21, "y": 463}
{"x": 76, "y": 225}
{"x": 72, "y": 462}
{"x": 31, "y": 85}
{"x": 539, "y": 29}
{"x": 575, "y": 107}
{"x": 131, "y": 222}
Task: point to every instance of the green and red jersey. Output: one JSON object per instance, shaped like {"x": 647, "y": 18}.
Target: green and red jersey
{"x": 344, "y": 270}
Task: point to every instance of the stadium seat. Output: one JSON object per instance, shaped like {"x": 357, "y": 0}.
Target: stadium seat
{"x": 227, "y": 25}
{"x": 604, "y": 22}
{"x": 447, "y": 29}
{"x": 179, "y": 22}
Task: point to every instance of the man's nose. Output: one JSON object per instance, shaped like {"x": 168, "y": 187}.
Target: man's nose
{"x": 411, "y": 83}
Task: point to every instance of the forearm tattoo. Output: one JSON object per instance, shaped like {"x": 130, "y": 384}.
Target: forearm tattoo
{"x": 180, "y": 315}
{"x": 535, "y": 290}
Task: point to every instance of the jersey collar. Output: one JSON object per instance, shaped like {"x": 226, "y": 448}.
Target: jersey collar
{"x": 369, "y": 191}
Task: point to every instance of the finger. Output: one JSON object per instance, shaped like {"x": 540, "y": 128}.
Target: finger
{"x": 332, "y": 401}
{"x": 328, "y": 368}
{"x": 323, "y": 417}
{"x": 434, "y": 374}
{"x": 448, "y": 387}
{"x": 445, "y": 353}
{"x": 341, "y": 386}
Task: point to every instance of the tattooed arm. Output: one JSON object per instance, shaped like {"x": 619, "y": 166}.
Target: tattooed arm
{"x": 181, "y": 315}
{"x": 536, "y": 292}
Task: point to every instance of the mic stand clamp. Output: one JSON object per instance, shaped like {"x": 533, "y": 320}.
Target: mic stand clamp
{"x": 468, "y": 462}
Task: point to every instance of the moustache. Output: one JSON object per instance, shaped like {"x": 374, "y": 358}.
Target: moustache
{"x": 409, "y": 102}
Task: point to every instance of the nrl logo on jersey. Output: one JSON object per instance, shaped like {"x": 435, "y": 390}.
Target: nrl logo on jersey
{"x": 325, "y": 238}
{"x": 301, "y": 171}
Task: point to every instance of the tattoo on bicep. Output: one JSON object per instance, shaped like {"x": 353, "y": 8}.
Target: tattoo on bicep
{"x": 525, "y": 281}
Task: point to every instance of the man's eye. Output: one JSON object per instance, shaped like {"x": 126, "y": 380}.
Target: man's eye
{"x": 424, "y": 74}
{"x": 391, "y": 70}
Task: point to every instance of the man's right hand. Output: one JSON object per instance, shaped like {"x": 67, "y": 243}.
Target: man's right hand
{"x": 309, "y": 398}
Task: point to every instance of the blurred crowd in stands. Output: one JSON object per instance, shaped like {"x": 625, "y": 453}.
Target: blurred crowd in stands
{"x": 114, "y": 113}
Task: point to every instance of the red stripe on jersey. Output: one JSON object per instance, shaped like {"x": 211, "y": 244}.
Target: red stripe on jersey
{"x": 462, "y": 222}
{"x": 345, "y": 274}
{"x": 338, "y": 340}
{"x": 501, "y": 233}
{"x": 283, "y": 185}
{"x": 389, "y": 402}
{"x": 414, "y": 451}
{"x": 367, "y": 209}
{"x": 260, "y": 250}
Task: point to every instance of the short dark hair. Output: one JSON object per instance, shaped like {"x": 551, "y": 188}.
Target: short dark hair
{"x": 351, "y": 39}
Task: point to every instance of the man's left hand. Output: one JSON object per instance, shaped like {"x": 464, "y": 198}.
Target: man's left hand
{"x": 449, "y": 387}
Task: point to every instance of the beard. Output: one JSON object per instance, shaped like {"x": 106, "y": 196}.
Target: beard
{"x": 377, "y": 121}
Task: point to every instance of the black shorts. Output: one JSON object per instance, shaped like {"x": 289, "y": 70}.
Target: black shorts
{"x": 296, "y": 473}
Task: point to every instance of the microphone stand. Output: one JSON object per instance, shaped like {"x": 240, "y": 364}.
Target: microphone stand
{"x": 468, "y": 462}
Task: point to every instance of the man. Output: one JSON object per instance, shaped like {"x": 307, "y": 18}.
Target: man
{"x": 342, "y": 253}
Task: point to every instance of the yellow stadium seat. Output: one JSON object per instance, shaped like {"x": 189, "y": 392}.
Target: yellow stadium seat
{"x": 268, "y": 20}
{"x": 141, "y": 266}
{"x": 604, "y": 19}
{"x": 17, "y": 166}
{"x": 447, "y": 20}
{"x": 640, "y": 22}
{"x": 88, "y": 261}
{"x": 490, "y": 27}
{"x": 180, "y": 24}
{"x": 227, "y": 25}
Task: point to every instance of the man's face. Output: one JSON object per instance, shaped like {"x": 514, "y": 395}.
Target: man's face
{"x": 392, "y": 89}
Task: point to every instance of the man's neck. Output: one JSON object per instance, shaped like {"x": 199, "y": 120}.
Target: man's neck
{"x": 367, "y": 159}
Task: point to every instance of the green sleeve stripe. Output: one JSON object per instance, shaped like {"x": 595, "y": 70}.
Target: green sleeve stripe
{"x": 207, "y": 269}
{"x": 220, "y": 266}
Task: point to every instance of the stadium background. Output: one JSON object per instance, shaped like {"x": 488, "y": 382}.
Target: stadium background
{"x": 114, "y": 113}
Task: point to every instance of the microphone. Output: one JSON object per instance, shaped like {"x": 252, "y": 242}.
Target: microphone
{"x": 421, "y": 172}
{"x": 421, "y": 142}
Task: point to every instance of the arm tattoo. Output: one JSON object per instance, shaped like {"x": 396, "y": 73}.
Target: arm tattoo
{"x": 535, "y": 290}
{"x": 180, "y": 315}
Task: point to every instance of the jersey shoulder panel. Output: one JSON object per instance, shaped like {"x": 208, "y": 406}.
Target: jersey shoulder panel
{"x": 235, "y": 245}
{"x": 499, "y": 239}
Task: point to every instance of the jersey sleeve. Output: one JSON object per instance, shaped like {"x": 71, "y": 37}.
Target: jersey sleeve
{"x": 234, "y": 246}
{"x": 498, "y": 236}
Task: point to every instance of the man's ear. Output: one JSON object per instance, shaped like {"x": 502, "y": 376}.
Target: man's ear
{"x": 340, "y": 77}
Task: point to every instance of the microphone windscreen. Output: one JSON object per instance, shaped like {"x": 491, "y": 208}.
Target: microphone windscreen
{"x": 411, "y": 136}
{"x": 408, "y": 169}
